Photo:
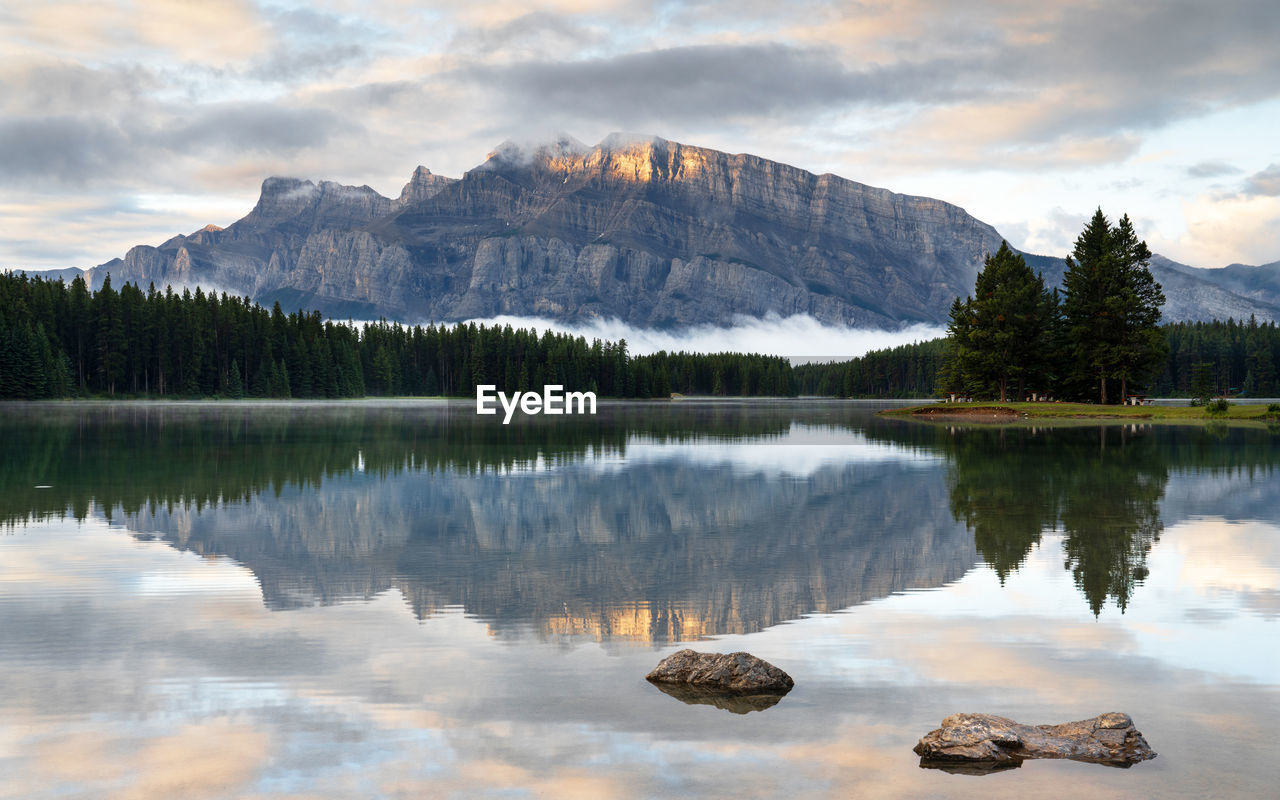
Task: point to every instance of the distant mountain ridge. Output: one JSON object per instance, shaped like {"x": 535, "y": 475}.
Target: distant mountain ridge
{"x": 648, "y": 231}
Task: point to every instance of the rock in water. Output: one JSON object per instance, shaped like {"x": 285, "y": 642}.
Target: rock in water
{"x": 740, "y": 673}
{"x": 1107, "y": 739}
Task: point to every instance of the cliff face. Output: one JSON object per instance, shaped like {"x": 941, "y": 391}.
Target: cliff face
{"x": 657, "y": 233}
{"x": 649, "y": 231}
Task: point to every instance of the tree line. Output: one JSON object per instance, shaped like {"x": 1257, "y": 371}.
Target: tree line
{"x": 1232, "y": 357}
{"x": 127, "y": 457}
{"x": 62, "y": 340}
{"x": 1228, "y": 358}
{"x": 905, "y": 371}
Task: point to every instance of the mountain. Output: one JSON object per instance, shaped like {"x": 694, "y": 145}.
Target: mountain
{"x": 1261, "y": 285}
{"x": 1198, "y": 294}
{"x": 645, "y": 230}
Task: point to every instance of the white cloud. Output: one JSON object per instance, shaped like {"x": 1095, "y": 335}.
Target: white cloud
{"x": 1223, "y": 230}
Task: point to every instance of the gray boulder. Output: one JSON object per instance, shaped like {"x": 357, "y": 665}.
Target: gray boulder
{"x": 1109, "y": 739}
{"x": 739, "y": 673}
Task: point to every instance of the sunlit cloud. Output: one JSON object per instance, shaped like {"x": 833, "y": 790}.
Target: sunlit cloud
{"x": 227, "y": 30}
{"x": 1222, "y": 230}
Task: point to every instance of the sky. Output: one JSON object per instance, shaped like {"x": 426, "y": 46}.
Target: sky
{"x": 125, "y": 123}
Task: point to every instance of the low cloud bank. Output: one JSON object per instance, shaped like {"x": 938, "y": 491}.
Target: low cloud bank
{"x": 799, "y": 338}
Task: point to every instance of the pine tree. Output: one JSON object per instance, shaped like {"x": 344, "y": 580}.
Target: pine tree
{"x": 1111, "y": 307}
{"x": 235, "y": 383}
{"x": 260, "y": 386}
{"x": 285, "y": 387}
{"x": 384, "y": 371}
{"x": 110, "y": 341}
{"x": 951, "y": 378}
{"x": 79, "y": 326}
{"x": 1202, "y": 389}
{"x": 1001, "y": 334}
{"x": 1089, "y": 326}
{"x": 1141, "y": 345}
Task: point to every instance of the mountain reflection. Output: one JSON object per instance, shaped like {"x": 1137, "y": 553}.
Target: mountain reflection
{"x": 649, "y": 522}
{"x": 612, "y": 527}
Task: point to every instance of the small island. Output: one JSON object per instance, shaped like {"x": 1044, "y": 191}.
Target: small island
{"x": 1014, "y": 340}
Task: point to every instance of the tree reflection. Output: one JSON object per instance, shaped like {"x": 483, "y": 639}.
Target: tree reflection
{"x": 1110, "y": 512}
{"x": 1002, "y": 494}
{"x": 63, "y": 460}
{"x": 326, "y": 503}
{"x": 1101, "y": 487}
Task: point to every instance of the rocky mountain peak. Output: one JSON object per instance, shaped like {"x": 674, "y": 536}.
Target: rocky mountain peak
{"x": 647, "y": 230}
{"x": 289, "y": 198}
{"x": 422, "y": 185}
{"x": 627, "y": 157}
{"x": 561, "y": 148}
{"x": 282, "y": 197}
{"x": 630, "y": 158}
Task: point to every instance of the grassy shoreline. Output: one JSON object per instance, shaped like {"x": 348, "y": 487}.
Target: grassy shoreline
{"x": 1015, "y": 412}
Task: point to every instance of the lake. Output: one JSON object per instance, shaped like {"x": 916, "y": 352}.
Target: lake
{"x": 401, "y": 599}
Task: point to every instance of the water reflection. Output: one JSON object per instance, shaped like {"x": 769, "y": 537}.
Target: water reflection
{"x": 649, "y": 523}
{"x": 124, "y": 650}
{"x": 733, "y": 703}
{"x": 1101, "y": 487}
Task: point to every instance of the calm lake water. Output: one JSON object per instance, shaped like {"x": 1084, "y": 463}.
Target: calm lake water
{"x": 402, "y": 600}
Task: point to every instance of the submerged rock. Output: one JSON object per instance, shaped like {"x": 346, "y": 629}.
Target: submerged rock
{"x": 1107, "y": 739}
{"x": 739, "y": 673}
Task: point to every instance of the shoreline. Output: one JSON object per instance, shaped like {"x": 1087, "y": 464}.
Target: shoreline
{"x": 1021, "y": 412}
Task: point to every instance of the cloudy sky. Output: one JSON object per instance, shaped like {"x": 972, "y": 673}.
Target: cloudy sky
{"x": 126, "y": 122}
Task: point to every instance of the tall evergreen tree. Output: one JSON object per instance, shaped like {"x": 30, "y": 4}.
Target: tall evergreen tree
{"x": 79, "y": 326}
{"x": 951, "y": 377}
{"x": 235, "y": 382}
{"x": 1141, "y": 346}
{"x": 110, "y": 345}
{"x": 1003, "y": 332}
{"x": 1091, "y": 278}
{"x": 1111, "y": 307}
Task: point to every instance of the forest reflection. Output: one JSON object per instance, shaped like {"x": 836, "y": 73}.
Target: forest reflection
{"x": 666, "y": 549}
